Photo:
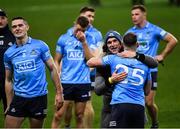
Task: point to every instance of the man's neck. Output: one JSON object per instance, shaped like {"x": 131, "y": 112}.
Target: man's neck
{"x": 21, "y": 41}
{"x": 141, "y": 25}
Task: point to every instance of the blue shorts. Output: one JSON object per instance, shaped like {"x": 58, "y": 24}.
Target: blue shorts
{"x": 154, "y": 80}
{"x": 77, "y": 92}
{"x": 35, "y": 107}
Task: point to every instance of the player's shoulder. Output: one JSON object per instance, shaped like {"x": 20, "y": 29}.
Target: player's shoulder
{"x": 10, "y": 49}
{"x": 38, "y": 42}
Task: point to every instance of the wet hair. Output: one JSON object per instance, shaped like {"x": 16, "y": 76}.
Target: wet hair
{"x": 82, "y": 21}
{"x": 130, "y": 39}
{"x": 86, "y": 8}
{"x": 141, "y": 7}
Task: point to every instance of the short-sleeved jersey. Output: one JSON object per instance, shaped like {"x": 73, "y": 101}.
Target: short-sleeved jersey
{"x": 98, "y": 40}
{"x": 130, "y": 90}
{"x": 148, "y": 38}
{"x": 74, "y": 68}
{"x": 27, "y": 64}
{"x": 96, "y": 34}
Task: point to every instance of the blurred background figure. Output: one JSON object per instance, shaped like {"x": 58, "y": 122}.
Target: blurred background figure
{"x": 6, "y": 40}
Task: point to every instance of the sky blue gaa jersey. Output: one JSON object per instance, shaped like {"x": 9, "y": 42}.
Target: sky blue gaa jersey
{"x": 74, "y": 68}
{"x": 148, "y": 38}
{"x": 96, "y": 34}
{"x": 27, "y": 64}
{"x": 99, "y": 42}
{"x": 129, "y": 90}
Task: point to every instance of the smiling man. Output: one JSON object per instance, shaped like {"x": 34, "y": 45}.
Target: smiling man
{"x": 25, "y": 72}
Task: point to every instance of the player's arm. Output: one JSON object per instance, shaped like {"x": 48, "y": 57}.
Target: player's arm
{"x": 100, "y": 86}
{"x": 8, "y": 87}
{"x": 94, "y": 61}
{"x": 171, "y": 43}
{"x": 147, "y": 60}
{"x": 55, "y": 78}
{"x": 57, "y": 61}
{"x": 81, "y": 37}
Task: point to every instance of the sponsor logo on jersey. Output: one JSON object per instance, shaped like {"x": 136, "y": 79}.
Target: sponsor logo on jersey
{"x": 25, "y": 66}
{"x": 75, "y": 55}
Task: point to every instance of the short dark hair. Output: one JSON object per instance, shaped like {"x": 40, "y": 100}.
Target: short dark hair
{"x": 141, "y": 7}
{"x": 20, "y": 18}
{"x": 82, "y": 21}
{"x": 86, "y": 8}
{"x": 130, "y": 39}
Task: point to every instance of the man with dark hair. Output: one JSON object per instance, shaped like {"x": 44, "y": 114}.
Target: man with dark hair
{"x": 73, "y": 50}
{"x": 149, "y": 36}
{"x": 89, "y": 13}
{"x": 25, "y": 72}
{"x": 6, "y": 40}
{"x": 128, "y": 95}
{"x": 104, "y": 80}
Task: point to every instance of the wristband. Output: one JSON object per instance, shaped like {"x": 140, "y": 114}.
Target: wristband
{"x": 110, "y": 80}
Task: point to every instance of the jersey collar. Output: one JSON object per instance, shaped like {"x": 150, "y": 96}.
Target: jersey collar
{"x": 146, "y": 26}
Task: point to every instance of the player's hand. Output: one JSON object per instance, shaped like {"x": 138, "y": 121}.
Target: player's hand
{"x": 59, "y": 100}
{"x": 81, "y": 36}
{"x": 159, "y": 58}
{"x": 127, "y": 54}
{"x": 117, "y": 77}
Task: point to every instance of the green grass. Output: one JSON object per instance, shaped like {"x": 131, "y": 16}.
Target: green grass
{"x": 49, "y": 19}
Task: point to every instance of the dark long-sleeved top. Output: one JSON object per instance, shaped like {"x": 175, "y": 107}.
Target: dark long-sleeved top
{"x": 6, "y": 40}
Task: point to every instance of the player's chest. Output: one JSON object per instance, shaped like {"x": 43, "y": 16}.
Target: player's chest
{"x": 23, "y": 53}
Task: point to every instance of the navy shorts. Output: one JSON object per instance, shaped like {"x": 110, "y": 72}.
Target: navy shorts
{"x": 77, "y": 92}
{"x": 127, "y": 115}
{"x": 35, "y": 107}
{"x": 154, "y": 80}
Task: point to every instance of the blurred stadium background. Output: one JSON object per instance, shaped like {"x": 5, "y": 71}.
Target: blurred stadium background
{"x": 49, "y": 19}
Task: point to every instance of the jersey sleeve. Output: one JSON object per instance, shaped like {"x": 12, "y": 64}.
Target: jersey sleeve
{"x": 161, "y": 33}
{"x": 45, "y": 52}
{"x": 59, "y": 45}
{"x": 106, "y": 60}
{"x": 7, "y": 62}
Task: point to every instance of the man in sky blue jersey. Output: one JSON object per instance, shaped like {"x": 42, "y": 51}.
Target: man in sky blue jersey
{"x": 73, "y": 50}
{"x": 128, "y": 95}
{"x": 25, "y": 71}
{"x": 89, "y": 13}
{"x": 149, "y": 36}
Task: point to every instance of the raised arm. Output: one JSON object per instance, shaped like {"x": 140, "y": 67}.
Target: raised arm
{"x": 81, "y": 37}
{"x": 55, "y": 78}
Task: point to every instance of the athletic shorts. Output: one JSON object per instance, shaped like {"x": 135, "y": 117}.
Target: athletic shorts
{"x": 127, "y": 115}
{"x": 154, "y": 80}
{"x": 77, "y": 92}
{"x": 35, "y": 107}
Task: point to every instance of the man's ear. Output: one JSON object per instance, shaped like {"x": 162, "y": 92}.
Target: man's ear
{"x": 137, "y": 44}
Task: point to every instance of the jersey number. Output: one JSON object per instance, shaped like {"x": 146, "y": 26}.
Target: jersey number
{"x": 136, "y": 73}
